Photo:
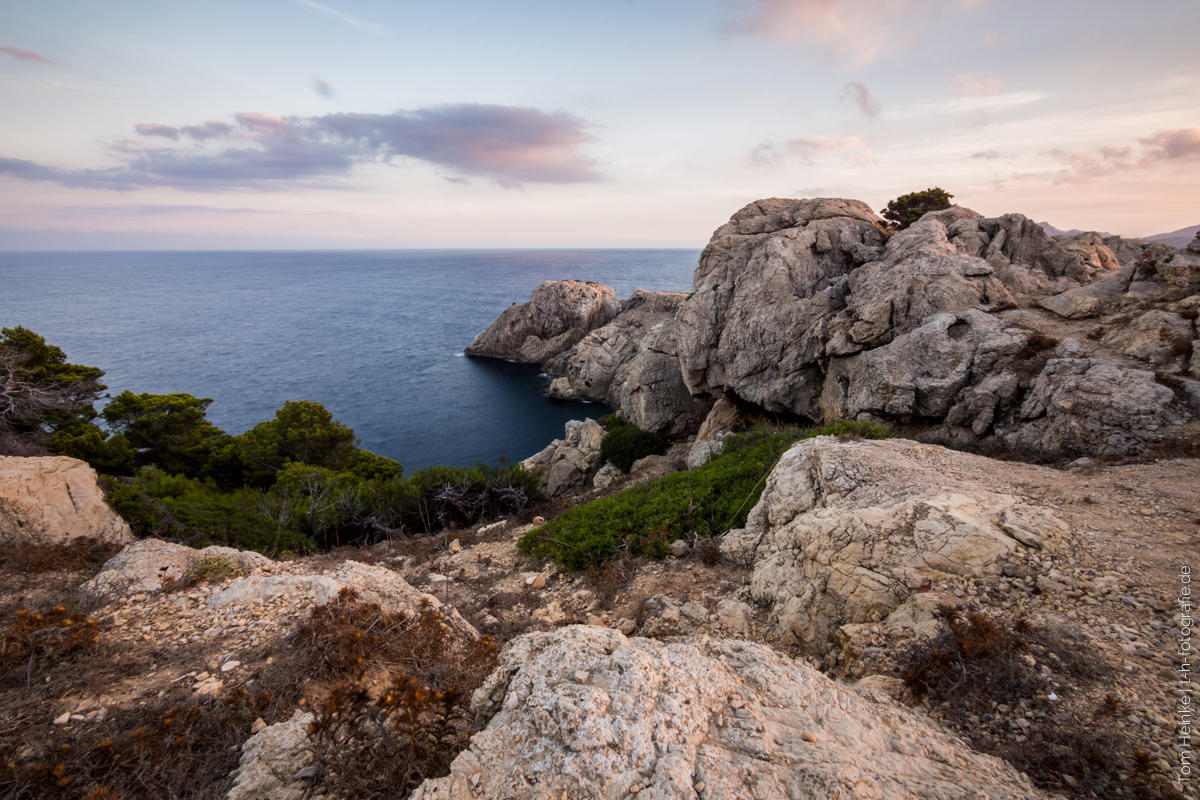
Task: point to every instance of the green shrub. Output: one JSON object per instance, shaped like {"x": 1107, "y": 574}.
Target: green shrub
{"x": 908, "y": 208}
{"x": 434, "y": 497}
{"x": 706, "y": 501}
{"x": 626, "y": 444}
{"x": 613, "y": 421}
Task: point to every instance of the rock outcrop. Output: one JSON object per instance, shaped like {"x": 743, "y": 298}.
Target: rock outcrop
{"x": 571, "y": 462}
{"x": 53, "y": 500}
{"x": 632, "y": 363}
{"x": 585, "y": 711}
{"x": 271, "y": 760}
{"x": 815, "y": 308}
{"x": 849, "y": 532}
{"x": 147, "y": 564}
{"x": 558, "y": 314}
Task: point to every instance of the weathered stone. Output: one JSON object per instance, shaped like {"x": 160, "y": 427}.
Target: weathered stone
{"x": 54, "y": 500}
{"x": 570, "y": 463}
{"x": 1093, "y": 406}
{"x": 1090, "y": 300}
{"x": 699, "y": 717}
{"x": 270, "y": 760}
{"x": 1158, "y": 337}
{"x": 655, "y": 467}
{"x": 558, "y": 314}
{"x": 147, "y": 564}
{"x": 607, "y": 475}
{"x": 846, "y": 532}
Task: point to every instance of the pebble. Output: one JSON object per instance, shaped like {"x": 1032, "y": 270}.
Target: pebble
{"x": 229, "y": 666}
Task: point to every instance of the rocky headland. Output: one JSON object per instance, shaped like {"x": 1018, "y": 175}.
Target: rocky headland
{"x": 1028, "y": 528}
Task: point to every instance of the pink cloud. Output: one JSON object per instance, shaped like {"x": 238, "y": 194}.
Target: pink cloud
{"x": 979, "y": 84}
{"x": 156, "y": 129}
{"x": 858, "y": 31}
{"x": 26, "y": 55}
{"x": 987, "y": 155}
{"x": 1079, "y": 166}
{"x": 1182, "y": 144}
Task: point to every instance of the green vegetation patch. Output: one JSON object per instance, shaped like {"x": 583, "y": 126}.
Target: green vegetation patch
{"x": 625, "y": 444}
{"x": 706, "y": 501}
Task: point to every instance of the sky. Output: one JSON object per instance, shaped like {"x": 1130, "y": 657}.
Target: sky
{"x": 593, "y": 123}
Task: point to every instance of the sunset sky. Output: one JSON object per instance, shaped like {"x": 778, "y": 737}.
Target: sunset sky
{"x": 603, "y": 123}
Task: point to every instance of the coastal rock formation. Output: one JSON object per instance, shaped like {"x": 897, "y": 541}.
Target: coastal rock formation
{"x": 585, "y": 711}
{"x": 147, "y": 564}
{"x": 53, "y": 500}
{"x": 847, "y": 532}
{"x": 558, "y": 314}
{"x": 571, "y": 462}
{"x": 632, "y": 364}
{"x": 958, "y": 325}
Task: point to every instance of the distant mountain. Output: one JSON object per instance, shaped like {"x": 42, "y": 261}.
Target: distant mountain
{"x": 1053, "y": 231}
{"x": 1180, "y": 238}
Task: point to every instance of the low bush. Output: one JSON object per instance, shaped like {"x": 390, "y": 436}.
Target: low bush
{"x": 382, "y": 743}
{"x": 33, "y": 637}
{"x": 704, "y": 502}
{"x": 977, "y": 663}
{"x": 625, "y": 444}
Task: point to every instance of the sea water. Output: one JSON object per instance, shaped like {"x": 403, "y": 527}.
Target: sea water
{"x": 377, "y": 337}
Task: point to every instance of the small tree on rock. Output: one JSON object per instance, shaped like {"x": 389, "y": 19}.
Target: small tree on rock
{"x": 908, "y": 208}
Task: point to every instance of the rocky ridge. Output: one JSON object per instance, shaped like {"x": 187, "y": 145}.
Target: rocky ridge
{"x": 976, "y": 332}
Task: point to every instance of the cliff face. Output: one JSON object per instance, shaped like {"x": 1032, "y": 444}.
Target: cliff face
{"x": 975, "y": 330}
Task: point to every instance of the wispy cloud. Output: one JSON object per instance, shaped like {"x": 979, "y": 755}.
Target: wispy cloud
{"x": 811, "y": 148}
{"x": 857, "y": 31}
{"x": 346, "y": 18}
{"x": 1174, "y": 147}
{"x": 509, "y": 145}
{"x": 26, "y": 55}
{"x": 979, "y": 84}
{"x": 860, "y": 95}
{"x": 987, "y": 155}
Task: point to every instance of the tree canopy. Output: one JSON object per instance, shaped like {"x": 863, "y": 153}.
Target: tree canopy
{"x": 908, "y": 208}
{"x": 303, "y": 432}
{"x": 40, "y": 392}
{"x": 171, "y": 431}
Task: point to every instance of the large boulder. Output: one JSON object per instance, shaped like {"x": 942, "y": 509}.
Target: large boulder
{"x": 148, "y": 564}
{"x": 371, "y": 583}
{"x": 569, "y": 463}
{"x": 271, "y": 760}
{"x": 847, "y": 532}
{"x": 558, "y": 314}
{"x": 53, "y": 500}
{"x": 587, "y": 712}
{"x": 1080, "y": 406}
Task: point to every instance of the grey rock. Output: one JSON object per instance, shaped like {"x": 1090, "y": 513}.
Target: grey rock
{"x": 702, "y": 450}
{"x": 272, "y": 762}
{"x": 569, "y": 463}
{"x": 655, "y": 467}
{"x": 1092, "y": 406}
{"x": 1160, "y": 338}
{"x": 607, "y": 475}
{"x": 557, "y": 316}
{"x": 847, "y": 532}
{"x": 658, "y": 719}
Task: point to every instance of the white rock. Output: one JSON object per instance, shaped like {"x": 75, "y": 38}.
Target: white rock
{"x": 270, "y": 759}
{"x": 650, "y": 717}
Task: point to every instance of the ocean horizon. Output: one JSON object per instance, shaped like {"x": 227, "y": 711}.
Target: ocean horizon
{"x": 376, "y": 336}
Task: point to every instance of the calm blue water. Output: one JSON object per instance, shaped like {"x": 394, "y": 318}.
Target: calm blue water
{"x": 376, "y": 336}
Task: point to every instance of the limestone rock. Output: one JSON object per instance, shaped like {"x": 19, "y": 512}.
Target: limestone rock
{"x": 270, "y": 760}
{"x": 54, "y": 500}
{"x": 372, "y": 584}
{"x": 632, "y": 364}
{"x": 846, "y": 532}
{"x": 558, "y": 314}
{"x": 723, "y": 417}
{"x": 734, "y": 617}
{"x": 702, "y": 449}
{"x": 1093, "y": 406}
{"x": 1129, "y": 251}
{"x": 699, "y": 718}
{"x": 607, "y": 475}
{"x": 146, "y": 564}
{"x": 655, "y": 467}
{"x": 1158, "y": 337}
{"x": 569, "y": 463}
{"x": 1091, "y": 300}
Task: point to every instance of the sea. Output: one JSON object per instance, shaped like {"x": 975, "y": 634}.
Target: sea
{"x": 377, "y": 337}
